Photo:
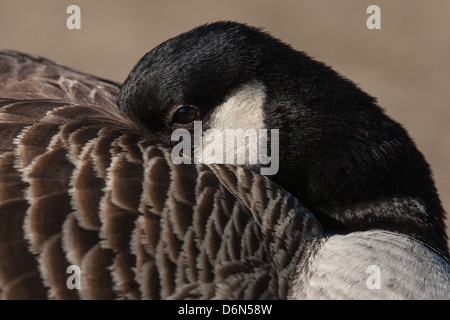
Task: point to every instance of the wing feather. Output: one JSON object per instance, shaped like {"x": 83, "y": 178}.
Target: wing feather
{"x": 80, "y": 184}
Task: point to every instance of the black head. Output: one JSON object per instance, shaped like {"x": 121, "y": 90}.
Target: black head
{"x": 350, "y": 164}
{"x": 199, "y": 68}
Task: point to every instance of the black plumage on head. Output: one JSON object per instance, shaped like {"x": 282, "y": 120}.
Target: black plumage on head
{"x": 340, "y": 154}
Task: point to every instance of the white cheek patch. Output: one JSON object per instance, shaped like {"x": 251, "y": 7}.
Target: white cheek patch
{"x": 234, "y": 126}
{"x": 237, "y": 134}
{"x": 243, "y": 109}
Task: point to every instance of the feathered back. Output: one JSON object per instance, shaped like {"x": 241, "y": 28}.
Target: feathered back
{"x": 80, "y": 184}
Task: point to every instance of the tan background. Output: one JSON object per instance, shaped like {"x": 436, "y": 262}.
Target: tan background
{"x": 405, "y": 64}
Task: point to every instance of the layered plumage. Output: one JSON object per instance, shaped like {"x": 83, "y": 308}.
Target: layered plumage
{"x": 80, "y": 185}
{"x": 87, "y": 179}
{"x": 340, "y": 154}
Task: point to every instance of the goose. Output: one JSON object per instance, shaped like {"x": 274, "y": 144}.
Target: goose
{"x": 87, "y": 179}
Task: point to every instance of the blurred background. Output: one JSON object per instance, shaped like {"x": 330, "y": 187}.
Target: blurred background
{"x": 405, "y": 64}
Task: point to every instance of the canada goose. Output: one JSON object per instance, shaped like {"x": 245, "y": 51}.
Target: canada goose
{"x": 84, "y": 182}
{"x": 348, "y": 163}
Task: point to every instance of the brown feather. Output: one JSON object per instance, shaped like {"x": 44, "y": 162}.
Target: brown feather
{"x": 82, "y": 185}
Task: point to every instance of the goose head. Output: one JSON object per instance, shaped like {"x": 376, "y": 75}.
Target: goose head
{"x": 339, "y": 153}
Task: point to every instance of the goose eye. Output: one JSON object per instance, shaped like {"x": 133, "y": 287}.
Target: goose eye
{"x": 185, "y": 115}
